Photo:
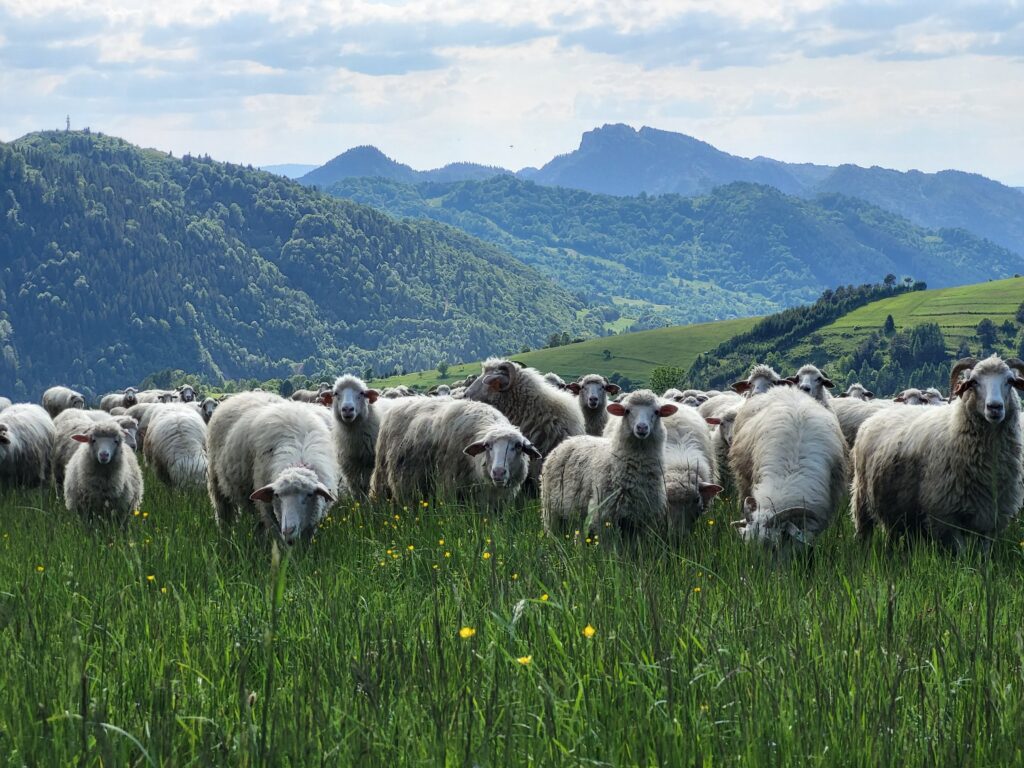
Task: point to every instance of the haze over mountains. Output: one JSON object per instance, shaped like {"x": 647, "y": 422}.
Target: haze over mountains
{"x": 619, "y": 160}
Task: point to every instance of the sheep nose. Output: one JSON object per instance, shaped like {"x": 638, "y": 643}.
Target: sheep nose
{"x": 805, "y": 388}
{"x": 104, "y": 457}
{"x": 499, "y": 474}
{"x": 288, "y": 533}
{"x": 641, "y": 430}
{"x": 994, "y": 409}
{"x": 592, "y": 402}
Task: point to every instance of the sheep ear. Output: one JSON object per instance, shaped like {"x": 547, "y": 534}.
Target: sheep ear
{"x": 492, "y": 381}
{"x": 326, "y": 398}
{"x": 713, "y": 420}
{"x": 371, "y": 395}
{"x": 324, "y": 492}
{"x": 612, "y": 389}
{"x": 667, "y": 409}
{"x": 574, "y": 388}
{"x": 962, "y": 387}
{"x": 474, "y": 449}
{"x": 76, "y": 438}
{"x": 827, "y": 382}
{"x": 740, "y": 386}
{"x": 616, "y": 409}
{"x": 708, "y": 491}
{"x": 266, "y": 493}
{"x": 531, "y": 450}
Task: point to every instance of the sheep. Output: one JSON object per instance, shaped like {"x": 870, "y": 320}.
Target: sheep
{"x": 155, "y": 396}
{"x": 690, "y": 471}
{"x": 932, "y": 396}
{"x": 57, "y": 399}
{"x": 592, "y": 391}
{"x": 124, "y": 399}
{"x": 911, "y": 396}
{"x": 75, "y": 421}
{"x": 760, "y": 379}
{"x": 617, "y": 480}
{"x": 176, "y": 446}
{"x": 186, "y": 394}
{"x": 358, "y": 411}
{"x": 554, "y": 380}
{"x": 310, "y": 395}
{"x": 274, "y": 457}
{"x": 205, "y": 408}
{"x": 545, "y": 415}
{"x": 858, "y": 392}
{"x": 441, "y": 390}
{"x": 789, "y": 460}
{"x": 5, "y": 403}
{"x": 810, "y": 380}
{"x": 852, "y": 413}
{"x": 693, "y": 394}
{"x": 26, "y": 442}
{"x": 946, "y": 474}
{"x": 102, "y": 480}
{"x": 457, "y": 449}
{"x": 719, "y": 403}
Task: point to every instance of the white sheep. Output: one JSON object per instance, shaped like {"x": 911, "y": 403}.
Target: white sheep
{"x": 75, "y": 421}
{"x": 124, "y": 399}
{"x": 272, "y": 456}
{"x": 617, "y": 481}
{"x": 950, "y": 473}
{"x": 57, "y": 399}
{"x": 858, "y": 391}
{"x": 26, "y": 443}
{"x": 760, "y": 379}
{"x": 458, "y": 450}
{"x": 673, "y": 394}
{"x": 358, "y": 411}
{"x": 103, "y": 480}
{"x": 175, "y": 446}
{"x": 789, "y": 460}
{"x": 592, "y": 391}
{"x": 690, "y": 471}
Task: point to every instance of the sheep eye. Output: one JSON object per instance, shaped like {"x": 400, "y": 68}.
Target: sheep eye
{"x": 626, "y": 412}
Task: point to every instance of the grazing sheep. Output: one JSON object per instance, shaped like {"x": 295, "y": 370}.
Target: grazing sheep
{"x": 760, "y": 379}
{"x": 618, "y": 480}
{"x": 690, "y": 472}
{"x": 57, "y": 399}
{"x": 858, "y": 392}
{"x": 545, "y": 415}
{"x": 124, "y": 399}
{"x": 852, "y": 413}
{"x": 458, "y": 450}
{"x": 26, "y": 442}
{"x": 102, "y": 480}
{"x": 950, "y": 473}
{"x": 592, "y": 391}
{"x": 272, "y": 456}
{"x": 5, "y": 402}
{"x": 358, "y": 412}
{"x": 205, "y": 408}
{"x": 789, "y": 460}
{"x": 310, "y": 395}
{"x": 911, "y": 396}
{"x": 553, "y": 379}
{"x": 813, "y": 382}
{"x": 176, "y": 446}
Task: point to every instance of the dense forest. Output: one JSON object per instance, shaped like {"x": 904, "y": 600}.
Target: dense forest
{"x": 116, "y": 262}
{"x": 741, "y": 250}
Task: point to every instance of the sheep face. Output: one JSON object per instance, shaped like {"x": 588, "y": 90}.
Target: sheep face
{"x": 298, "y": 502}
{"x": 130, "y": 397}
{"x": 812, "y": 381}
{"x": 209, "y": 405}
{"x": 642, "y": 415}
{"x": 593, "y": 393}
{"x": 497, "y": 377}
{"x": 350, "y": 399}
{"x": 987, "y": 389}
{"x": 186, "y": 394}
{"x": 858, "y": 392}
{"x": 166, "y": 397}
{"x": 77, "y": 401}
{"x": 103, "y": 445}
{"x": 503, "y": 457}
{"x": 910, "y": 397}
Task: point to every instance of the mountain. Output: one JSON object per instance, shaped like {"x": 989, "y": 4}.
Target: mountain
{"x": 289, "y": 170}
{"x": 116, "y": 262}
{"x": 742, "y": 249}
{"x": 370, "y": 162}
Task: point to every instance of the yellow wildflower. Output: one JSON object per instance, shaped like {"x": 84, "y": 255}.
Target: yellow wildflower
{"x": 466, "y": 632}
{"x": 411, "y": 547}
{"x": 440, "y": 542}
{"x": 589, "y": 631}
{"x": 544, "y": 597}
{"x": 447, "y": 554}
{"x": 525, "y": 660}
{"x": 151, "y": 578}
{"x": 40, "y": 568}
{"x": 696, "y": 589}
{"x": 486, "y": 555}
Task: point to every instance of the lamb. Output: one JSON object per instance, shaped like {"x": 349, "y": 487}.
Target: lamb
{"x": 310, "y": 395}
{"x": 459, "y": 450}
{"x": 545, "y": 415}
{"x": 690, "y": 471}
{"x": 26, "y": 442}
{"x": 272, "y": 456}
{"x": 441, "y": 390}
{"x": 814, "y": 383}
{"x": 760, "y": 379}
{"x": 358, "y": 412}
{"x": 947, "y": 474}
{"x": 57, "y": 399}
{"x": 616, "y": 480}
{"x": 176, "y": 446}
{"x": 205, "y": 408}
{"x": 102, "y": 480}
{"x": 592, "y": 391}
{"x": 124, "y": 399}
{"x": 789, "y": 460}
{"x": 858, "y": 392}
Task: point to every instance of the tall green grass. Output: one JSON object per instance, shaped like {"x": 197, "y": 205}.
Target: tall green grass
{"x": 169, "y": 644}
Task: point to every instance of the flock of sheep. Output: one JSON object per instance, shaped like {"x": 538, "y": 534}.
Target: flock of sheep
{"x": 638, "y": 463}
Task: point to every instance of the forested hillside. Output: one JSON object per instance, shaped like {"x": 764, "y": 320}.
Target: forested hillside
{"x": 116, "y": 262}
{"x": 743, "y": 249}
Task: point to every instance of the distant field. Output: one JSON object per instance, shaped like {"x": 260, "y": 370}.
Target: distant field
{"x": 634, "y": 355}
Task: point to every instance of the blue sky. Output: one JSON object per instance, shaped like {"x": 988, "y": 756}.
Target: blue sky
{"x": 913, "y": 84}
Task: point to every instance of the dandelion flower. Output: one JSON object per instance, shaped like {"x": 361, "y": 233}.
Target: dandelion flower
{"x": 40, "y": 568}
{"x": 711, "y": 522}
{"x": 163, "y": 590}
{"x": 486, "y": 555}
{"x": 589, "y": 631}
{"x": 136, "y": 513}
{"x": 544, "y": 597}
{"x": 145, "y": 515}
{"x": 515, "y": 576}
{"x": 447, "y": 554}
{"x": 151, "y": 578}
{"x": 696, "y": 589}
{"x": 440, "y": 542}
{"x": 525, "y": 660}
{"x": 411, "y": 547}
{"x": 467, "y": 632}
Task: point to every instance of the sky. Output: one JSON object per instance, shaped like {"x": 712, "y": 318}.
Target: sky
{"x": 920, "y": 84}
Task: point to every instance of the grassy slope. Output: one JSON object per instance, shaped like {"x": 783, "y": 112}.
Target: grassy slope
{"x": 864, "y": 656}
{"x": 634, "y": 355}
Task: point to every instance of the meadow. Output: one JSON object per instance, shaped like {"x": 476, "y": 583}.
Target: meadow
{"x": 437, "y": 635}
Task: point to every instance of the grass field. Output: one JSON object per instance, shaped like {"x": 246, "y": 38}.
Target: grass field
{"x": 634, "y": 355}
{"x": 168, "y": 644}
